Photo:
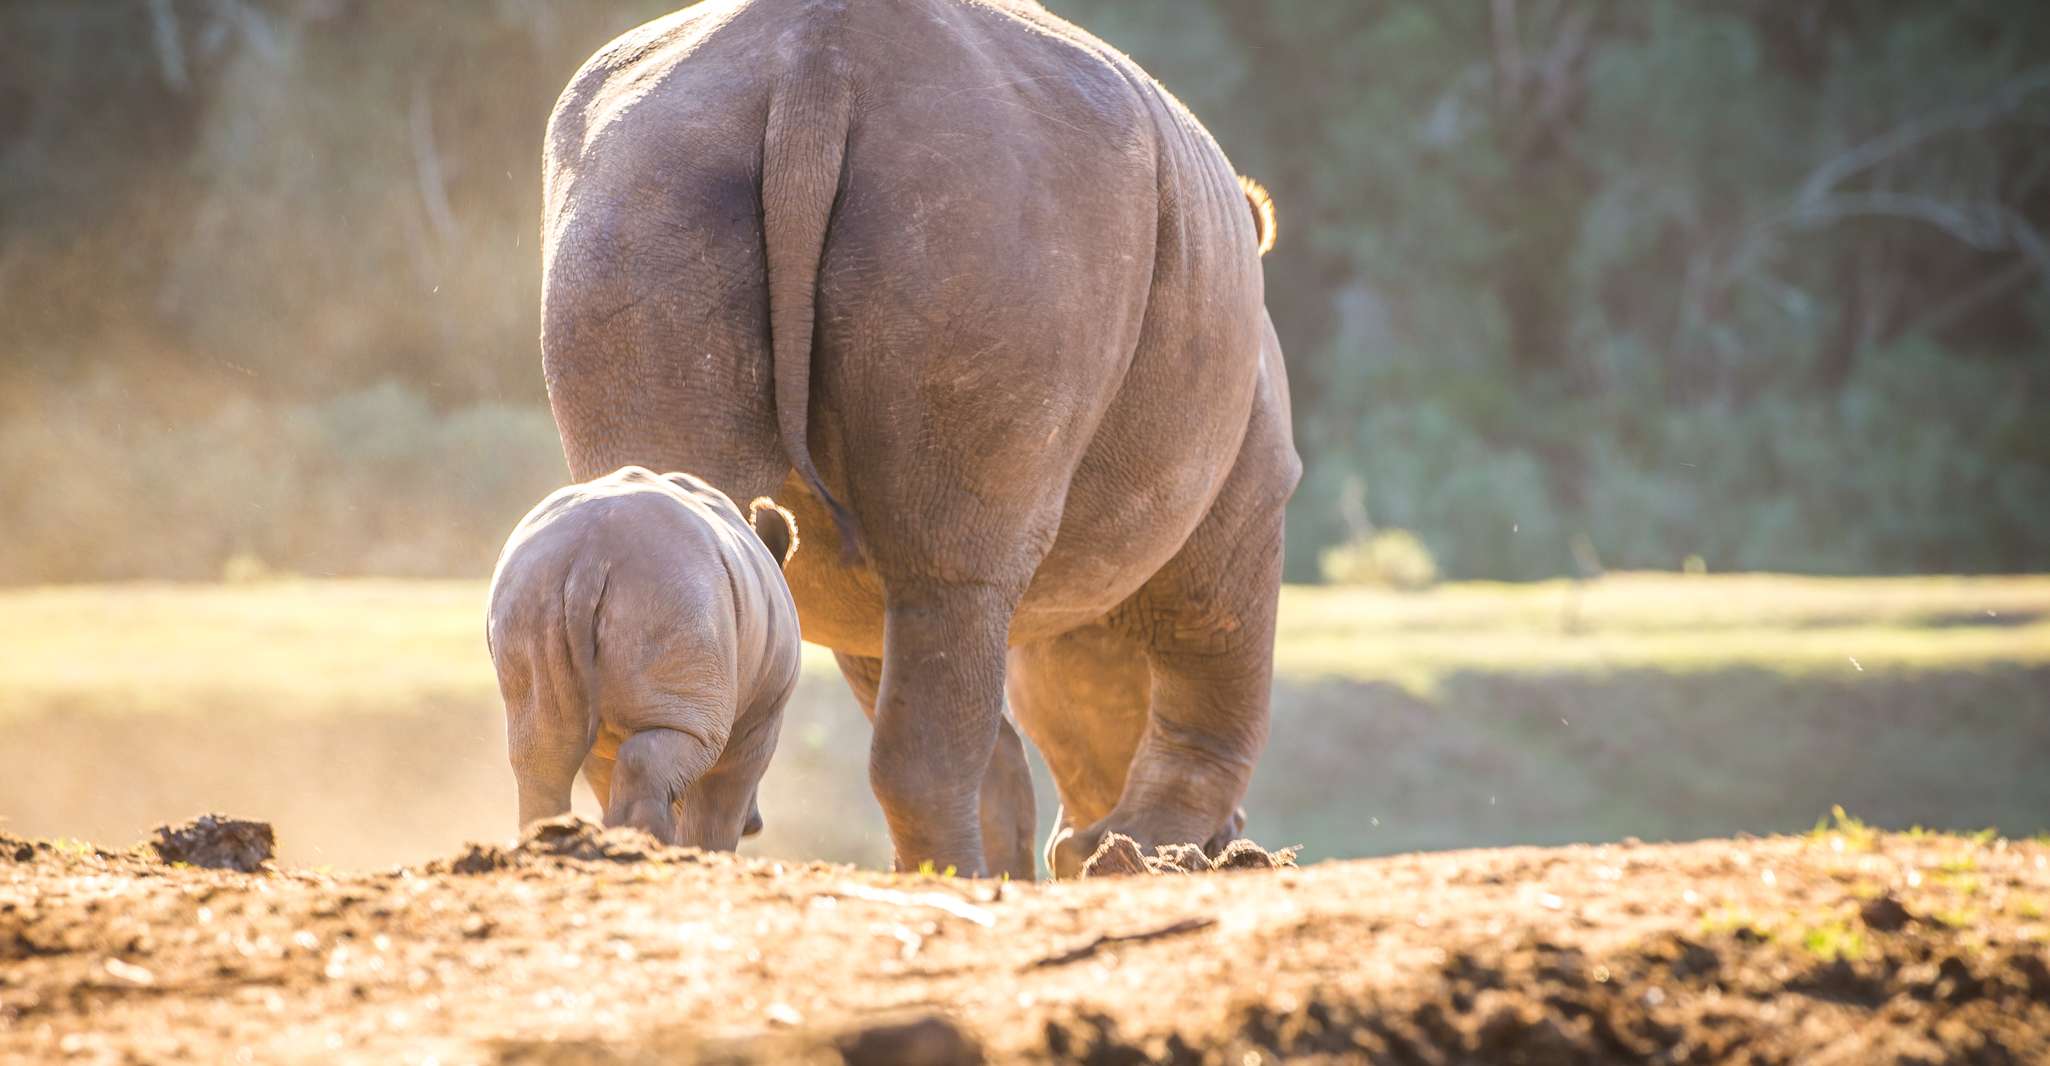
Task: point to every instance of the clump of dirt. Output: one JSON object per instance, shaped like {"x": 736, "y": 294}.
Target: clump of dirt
{"x": 933, "y": 1040}
{"x": 1119, "y": 856}
{"x": 18, "y": 849}
{"x": 923, "y": 1039}
{"x": 1884, "y": 914}
{"x": 566, "y": 837}
{"x": 217, "y": 842}
{"x": 1246, "y": 855}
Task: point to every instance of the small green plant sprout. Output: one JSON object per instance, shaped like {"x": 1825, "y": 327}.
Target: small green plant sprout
{"x": 1842, "y": 832}
{"x": 2025, "y": 906}
{"x": 1961, "y": 863}
{"x": 1736, "y": 922}
{"x": 1957, "y": 917}
{"x": 1835, "y": 940}
{"x": 1962, "y": 884}
{"x": 926, "y": 869}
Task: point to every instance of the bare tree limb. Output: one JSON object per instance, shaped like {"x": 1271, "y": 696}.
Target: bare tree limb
{"x": 427, "y": 166}
{"x": 1508, "y": 55}
{"x": 1950, "y": 311}
{"x": 1915, "y": 131}
{"x": 170, "y": 47}
{"x": 1559, "y": 79}
{"x": 1982, "y": 224}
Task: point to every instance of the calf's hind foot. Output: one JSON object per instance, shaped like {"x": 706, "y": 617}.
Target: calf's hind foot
{"x": 649, "y": 775}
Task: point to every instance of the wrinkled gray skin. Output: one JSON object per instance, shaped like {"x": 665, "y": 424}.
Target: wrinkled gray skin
{"x": 963, "y": 281}
{"x": 643, "y": 632}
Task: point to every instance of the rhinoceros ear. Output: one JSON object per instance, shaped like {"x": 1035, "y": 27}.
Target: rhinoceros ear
{"x": 776, "y": 526}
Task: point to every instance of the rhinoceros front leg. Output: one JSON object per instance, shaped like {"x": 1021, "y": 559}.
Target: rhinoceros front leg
{"x": 1008, "y": 815}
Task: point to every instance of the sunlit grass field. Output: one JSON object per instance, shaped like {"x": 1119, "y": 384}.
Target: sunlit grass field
{"x": 362, "y": 716}
{"x": 310, "y": 647}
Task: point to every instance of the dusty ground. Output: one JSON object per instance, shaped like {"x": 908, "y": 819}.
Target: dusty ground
{"x": 583, "y": 947}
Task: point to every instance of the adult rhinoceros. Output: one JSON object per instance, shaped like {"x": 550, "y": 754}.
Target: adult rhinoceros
{"x": 962, "y": 281}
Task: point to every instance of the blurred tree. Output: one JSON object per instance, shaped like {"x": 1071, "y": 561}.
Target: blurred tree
{"x": 1762, "y": 282}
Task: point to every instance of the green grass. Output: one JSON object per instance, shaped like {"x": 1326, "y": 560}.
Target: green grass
{"x": 1838, "y": 825}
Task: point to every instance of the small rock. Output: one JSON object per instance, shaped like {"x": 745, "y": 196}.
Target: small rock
{"x": 1117, "y": 856}
{"x": 217, "y": 842}
{"x": 928, "y": 1041}
{"x": 2033, "y": 972}
{"x": 1884, "y": 914}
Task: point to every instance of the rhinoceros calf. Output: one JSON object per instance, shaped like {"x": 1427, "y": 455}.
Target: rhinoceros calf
{"x": 642, "y": 630}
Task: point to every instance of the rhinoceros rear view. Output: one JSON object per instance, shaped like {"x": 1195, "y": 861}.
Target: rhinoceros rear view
{"x": 963, "y": 282}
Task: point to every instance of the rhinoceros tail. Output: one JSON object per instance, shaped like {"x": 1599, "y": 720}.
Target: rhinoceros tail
{"x": 1263, "y": 212}
{"x": 803, "y": 147}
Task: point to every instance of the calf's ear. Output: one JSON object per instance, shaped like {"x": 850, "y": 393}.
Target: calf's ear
{"x": 776, "y": 526}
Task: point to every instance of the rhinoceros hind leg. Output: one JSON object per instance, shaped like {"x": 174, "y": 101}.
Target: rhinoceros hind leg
{"x": 1207, "y": 624}
{"x": 1008, "y": 817}
{"x": 649, "y": 775}
{"x": 1082, "y": 697}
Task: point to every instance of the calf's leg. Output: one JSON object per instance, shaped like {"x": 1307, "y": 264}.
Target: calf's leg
{"x": 649, "y": 776}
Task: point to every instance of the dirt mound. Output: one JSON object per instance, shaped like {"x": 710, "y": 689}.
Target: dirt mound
{"x": 216, "y": 842}
{"x": 1727, "y": 998}
{"x": 1119, "y": 856}
{"x": 583, "y": 945}
{"x": 566, "y": 837}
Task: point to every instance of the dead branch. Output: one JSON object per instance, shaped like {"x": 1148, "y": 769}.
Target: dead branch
{"x": 1909, "y": 134}
{"x": 170, "y": 47}
{"x": 427, "y": 166}
{"x": 1186, "y": 925}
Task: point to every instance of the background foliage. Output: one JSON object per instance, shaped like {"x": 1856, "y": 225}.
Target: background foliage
{"x": 1562, "y": 284}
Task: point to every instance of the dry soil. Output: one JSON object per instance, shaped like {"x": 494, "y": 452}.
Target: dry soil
{"x": 581, "y": 946}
